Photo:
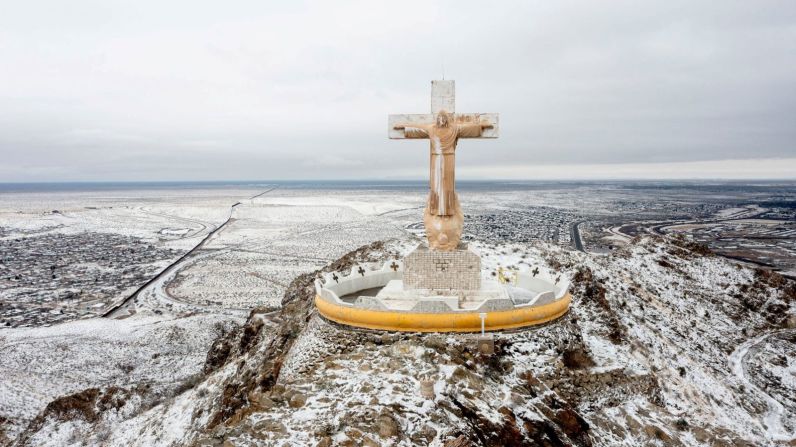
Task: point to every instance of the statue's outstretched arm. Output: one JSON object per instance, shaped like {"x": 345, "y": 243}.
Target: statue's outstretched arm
{"x": 473, "y": 130}
{"x": 412, "y": 130}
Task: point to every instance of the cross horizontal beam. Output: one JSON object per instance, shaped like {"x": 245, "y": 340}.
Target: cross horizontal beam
{"x": 428, "y": 118}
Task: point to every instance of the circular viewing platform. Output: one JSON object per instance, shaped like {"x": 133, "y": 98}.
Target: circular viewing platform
{"x": 377, "y": 299}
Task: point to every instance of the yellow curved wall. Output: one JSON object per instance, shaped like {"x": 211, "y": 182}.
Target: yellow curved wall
{"x": 442, "y": 322}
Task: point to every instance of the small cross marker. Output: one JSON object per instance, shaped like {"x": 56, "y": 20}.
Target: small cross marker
{"x": 535, "y": 271}
{"x": 394, "y": 266}
{"x": 361, "y": 271}
{"x": 335, "y": 277}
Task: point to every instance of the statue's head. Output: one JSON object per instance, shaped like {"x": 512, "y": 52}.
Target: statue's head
{"x": 443, "y": 118}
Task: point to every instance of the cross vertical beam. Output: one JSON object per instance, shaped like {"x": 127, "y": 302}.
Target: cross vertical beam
{"x": 443, "y": 96}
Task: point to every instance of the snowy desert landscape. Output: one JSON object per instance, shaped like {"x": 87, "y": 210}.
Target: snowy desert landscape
{"x": 182, "y": 315}
{"x": 419, "y": 224}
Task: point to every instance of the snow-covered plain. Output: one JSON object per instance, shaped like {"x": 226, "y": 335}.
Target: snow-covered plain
{"x": 160, "y": 349}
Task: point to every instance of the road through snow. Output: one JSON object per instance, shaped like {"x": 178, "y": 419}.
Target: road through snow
{"x": 154, "y": 289}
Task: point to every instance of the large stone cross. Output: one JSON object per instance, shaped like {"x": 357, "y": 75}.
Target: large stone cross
{"x": 443, "y": 127}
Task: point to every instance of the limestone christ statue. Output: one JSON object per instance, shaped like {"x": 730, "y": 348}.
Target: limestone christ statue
{"x": 443, "y": 136}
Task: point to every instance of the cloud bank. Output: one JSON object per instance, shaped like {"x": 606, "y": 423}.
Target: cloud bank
{"x": 107, "y": 90}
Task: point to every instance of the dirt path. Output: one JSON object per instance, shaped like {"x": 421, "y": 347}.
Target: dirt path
{"x": 772, "y": 421}
{"x": 194, "y": 232}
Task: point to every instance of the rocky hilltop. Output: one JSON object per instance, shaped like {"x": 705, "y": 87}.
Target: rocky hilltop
{"x": 665, "y": 344}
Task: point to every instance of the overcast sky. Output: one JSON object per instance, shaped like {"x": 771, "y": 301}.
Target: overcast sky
{"x": 173, "y": 90}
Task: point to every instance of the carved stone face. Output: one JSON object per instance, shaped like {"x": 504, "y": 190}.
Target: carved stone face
{"x": 443, "y": 119}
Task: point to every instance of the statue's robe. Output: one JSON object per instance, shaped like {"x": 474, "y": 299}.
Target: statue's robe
{"x": 442, "y": 183}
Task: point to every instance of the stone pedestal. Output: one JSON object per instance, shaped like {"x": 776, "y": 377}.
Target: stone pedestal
{"x": 457, "y": 270}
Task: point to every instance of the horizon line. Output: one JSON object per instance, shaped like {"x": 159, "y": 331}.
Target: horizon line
{"x": 382, "y": 180}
